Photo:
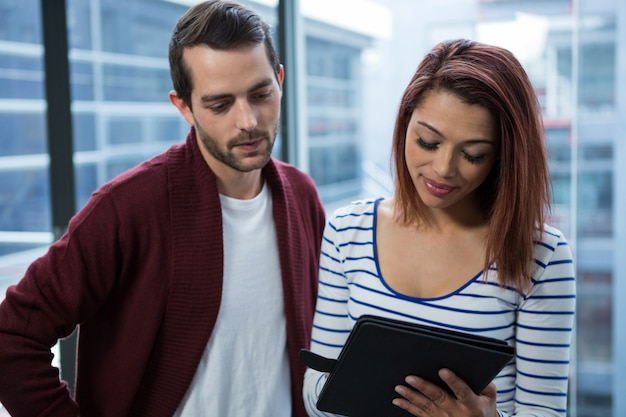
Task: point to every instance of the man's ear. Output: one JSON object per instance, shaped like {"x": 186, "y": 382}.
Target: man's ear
{"x": 281, "y": 76}
{"x": 182, "y": 107}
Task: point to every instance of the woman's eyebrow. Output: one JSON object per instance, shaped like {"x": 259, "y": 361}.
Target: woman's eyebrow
{"x": 469, "y": 141}
{"x": 430, "y": 127}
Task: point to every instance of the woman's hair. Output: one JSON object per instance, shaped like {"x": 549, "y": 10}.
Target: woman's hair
{"x": 516, "y": 193}
{"x": 221, "y": 25}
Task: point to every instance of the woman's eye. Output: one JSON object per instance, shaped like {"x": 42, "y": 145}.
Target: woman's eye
{"x": 426, "y": 145}
{"x": 473, "y": 159}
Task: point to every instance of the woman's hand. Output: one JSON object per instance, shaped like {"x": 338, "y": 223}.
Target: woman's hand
{"x": 424, "y": 399}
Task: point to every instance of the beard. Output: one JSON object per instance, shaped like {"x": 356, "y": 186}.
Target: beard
{"x": 240, "y": 163}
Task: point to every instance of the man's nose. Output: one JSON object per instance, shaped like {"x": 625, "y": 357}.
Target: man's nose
{"x": 245, "y": 116}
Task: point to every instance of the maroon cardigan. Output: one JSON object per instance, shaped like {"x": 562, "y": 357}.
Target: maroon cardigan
{"x": 140, "y": 272}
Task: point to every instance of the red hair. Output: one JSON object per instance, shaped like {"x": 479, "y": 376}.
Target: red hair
{"x": 516, "y": 193}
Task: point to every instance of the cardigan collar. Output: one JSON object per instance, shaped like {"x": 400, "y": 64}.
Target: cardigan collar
{"x": 197, "y": 269}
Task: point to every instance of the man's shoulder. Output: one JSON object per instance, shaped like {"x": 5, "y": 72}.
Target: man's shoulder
{"x": 286, "y": 168}
{"x": 150, "y": 174}
{"x": 291, "y": 174}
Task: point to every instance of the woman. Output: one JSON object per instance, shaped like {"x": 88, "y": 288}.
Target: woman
{"x": 462, "y": 243}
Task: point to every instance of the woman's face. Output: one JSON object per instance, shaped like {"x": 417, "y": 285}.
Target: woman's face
{"x": 450, "y": 149}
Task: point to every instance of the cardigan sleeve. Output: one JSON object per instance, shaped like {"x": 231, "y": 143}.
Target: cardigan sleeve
{"x": 58, "y": 291}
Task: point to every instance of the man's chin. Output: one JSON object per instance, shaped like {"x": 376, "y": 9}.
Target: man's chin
{"x": 251, "y": 163}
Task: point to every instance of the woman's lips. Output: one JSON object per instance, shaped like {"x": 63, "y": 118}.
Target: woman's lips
{"x": 437, "y": 189}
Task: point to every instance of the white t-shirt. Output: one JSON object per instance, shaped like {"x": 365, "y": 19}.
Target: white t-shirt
{"x": 245, "y": 368}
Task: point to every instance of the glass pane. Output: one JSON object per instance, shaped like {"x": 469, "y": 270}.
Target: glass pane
{"x": 355, "y": 77}
{"x": 20, "y": 76}
{"x": 120, "y": 83}
{"x": 333, "y": 107}
{"x": 25, "y": 223}
{"x": 597, "y": 72}
{"x": 595, "y": 203}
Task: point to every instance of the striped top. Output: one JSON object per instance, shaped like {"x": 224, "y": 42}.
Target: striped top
{"x": 538, "y": 325}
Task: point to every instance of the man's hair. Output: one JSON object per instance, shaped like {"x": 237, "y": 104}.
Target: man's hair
{"x": 220, "y": 25}
{"x": 516, "y": 193}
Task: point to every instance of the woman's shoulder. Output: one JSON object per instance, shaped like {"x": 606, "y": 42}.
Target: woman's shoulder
{"x": 356, "y": 209}
{"x": 551, "y": 236}
{"x": 552, "y": 250}
{"x": 357, "y": 215}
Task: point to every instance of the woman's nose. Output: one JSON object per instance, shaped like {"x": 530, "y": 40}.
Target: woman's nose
{"x": 444, "y": 164}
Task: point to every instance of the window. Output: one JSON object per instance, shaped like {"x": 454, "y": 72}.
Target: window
{"x": 356, "y": 67}
{"x": 24, "y": 193}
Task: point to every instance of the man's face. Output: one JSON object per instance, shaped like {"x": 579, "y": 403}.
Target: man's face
{"x": 235, "y": 106}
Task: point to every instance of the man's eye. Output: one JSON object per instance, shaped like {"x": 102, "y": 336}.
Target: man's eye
{"x": 218, "y": 108}
{"x": 263, "y": 95}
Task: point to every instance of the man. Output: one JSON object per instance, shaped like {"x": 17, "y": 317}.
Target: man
{"x": 191, "y": 277}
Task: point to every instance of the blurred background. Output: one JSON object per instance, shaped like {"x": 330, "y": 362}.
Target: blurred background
{"x": 83, "y": 97}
